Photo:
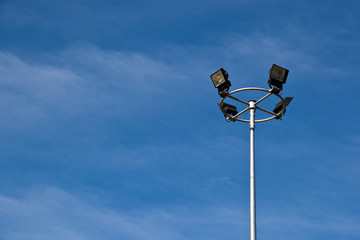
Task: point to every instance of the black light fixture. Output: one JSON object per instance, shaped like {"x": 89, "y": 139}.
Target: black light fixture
{"x": 221, "y": 82}
{"x": 279, "y": 106}
{"x": 229, "y": 109}
{"x": 277, "y": 76}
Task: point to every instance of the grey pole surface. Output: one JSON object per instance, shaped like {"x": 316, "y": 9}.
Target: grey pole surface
{"x": 252, "y": 109}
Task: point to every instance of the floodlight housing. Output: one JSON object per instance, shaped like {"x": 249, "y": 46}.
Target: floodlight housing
{"x": 277, "y": 76}
{"x": 229, "y": 109}
{"x": 221, "y": 82}
{"x": 280, "y": 105}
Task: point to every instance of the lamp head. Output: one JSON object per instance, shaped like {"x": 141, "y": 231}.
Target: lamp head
{"x": 221, "y": 82}
{"x": 229, "y": 109}
{"x": 277, "y": 76}
{"x": 279, "y": 106}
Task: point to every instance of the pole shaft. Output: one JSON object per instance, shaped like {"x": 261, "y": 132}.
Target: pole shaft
{"x": 252, "y": 172}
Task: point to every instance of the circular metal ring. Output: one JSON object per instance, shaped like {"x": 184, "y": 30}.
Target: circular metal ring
{"x": 269, "y": 91}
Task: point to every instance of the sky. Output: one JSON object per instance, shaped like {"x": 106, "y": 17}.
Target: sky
{"x": 110, "y": 129}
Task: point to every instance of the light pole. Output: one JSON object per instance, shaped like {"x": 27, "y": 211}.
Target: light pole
{"x": 277, "y": 78}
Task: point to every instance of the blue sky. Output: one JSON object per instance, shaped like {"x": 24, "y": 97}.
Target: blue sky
{"x": 110, "y": 127}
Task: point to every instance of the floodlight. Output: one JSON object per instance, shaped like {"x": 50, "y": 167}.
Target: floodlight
{"x": 277, "y": 76}
{"x": 221, "y": 82}
{"x": 229, "y": 109}
{"x": 279, "y": 105}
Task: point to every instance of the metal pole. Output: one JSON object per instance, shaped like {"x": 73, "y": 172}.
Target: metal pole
{"x": 252, "y": 108}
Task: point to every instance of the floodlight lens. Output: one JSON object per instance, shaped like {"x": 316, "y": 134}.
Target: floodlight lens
{"x": 221, "y": 82}
{"x": 229, "y": 109}
{"x": 279, "y": 105}
{"x": 287, "y": 100}
{"x": 278, "y": 73}
{"x": 218, "y": 78}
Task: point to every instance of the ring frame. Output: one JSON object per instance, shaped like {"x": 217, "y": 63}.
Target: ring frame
{"x": 269, "y": 93}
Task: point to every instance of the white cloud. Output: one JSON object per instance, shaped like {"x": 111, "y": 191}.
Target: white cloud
{"x": 287, "y": 222}
{"x": 51, "y": 213}
{"x": 85, "y": 78}
{"x": 29, "y": 91}
{"x": 80, "y": 80}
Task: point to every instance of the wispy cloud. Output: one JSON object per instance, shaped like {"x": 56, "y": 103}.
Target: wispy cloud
{"x": 47, "y": 212}
{"x": 51, "y": 213}
{"x": 78, "y": 81}
{"x": 285, "y": 222}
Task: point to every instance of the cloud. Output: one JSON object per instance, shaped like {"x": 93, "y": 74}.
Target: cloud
{"x": 122, "y": 69}
{"x": 51, "y": 213}
{"x": 285, "y": 221}
{"x": 297, "y": 51}
{"x": 84, "y": 78}
{"x": 30, "y": 91}
{"x": 78, "y": 81}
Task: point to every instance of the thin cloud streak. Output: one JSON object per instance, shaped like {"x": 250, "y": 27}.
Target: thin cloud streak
{"x": 83, "y": 80}
{"x": 48, "y": 212}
